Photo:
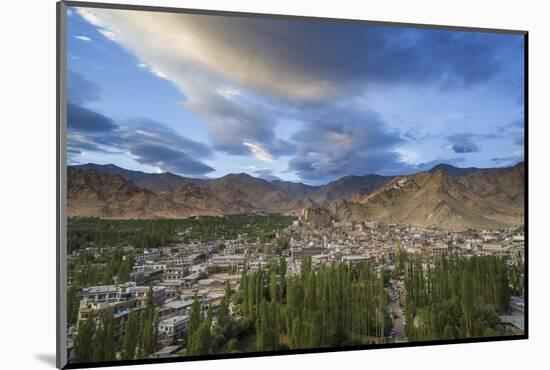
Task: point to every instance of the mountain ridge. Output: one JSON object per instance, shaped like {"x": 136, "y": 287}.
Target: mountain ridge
{"x": 485, "y": 197}
{"x": 138, "y": 176}
{"x": 490, "y": 198}
{"x": 157, "y": 182}
{"x": 452, "y": 170}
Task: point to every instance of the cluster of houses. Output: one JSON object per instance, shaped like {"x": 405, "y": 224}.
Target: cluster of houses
{"x": 179, "y": 272}
{"x": 176, "y": 273}
{"x": 376, "y": 243}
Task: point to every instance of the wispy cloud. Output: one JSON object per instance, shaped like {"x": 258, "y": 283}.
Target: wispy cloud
{"x": 83, "y": 38}
{"x": 259, "y": 152}
{"x": 146, "y": 141}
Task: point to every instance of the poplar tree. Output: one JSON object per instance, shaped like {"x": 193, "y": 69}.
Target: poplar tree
{"x": 131, "y": 336}
{"x": 149, "y": 327}
{"x": 200, "y": 343}
{"x": 195, "y": 321}
{"x": 103, "y": 345}
{"x": 83, "y": 341}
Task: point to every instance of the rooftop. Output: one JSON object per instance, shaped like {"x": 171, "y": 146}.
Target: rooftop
{"x": 175, "y": 319}
{"x": 177, "y": 304}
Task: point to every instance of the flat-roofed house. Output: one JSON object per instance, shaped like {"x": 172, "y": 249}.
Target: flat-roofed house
{"x": 175, "y": 308}
{"x": 89, "y": 310}
{"x": 122, "y": 292}
{"x": 174, "y": 327}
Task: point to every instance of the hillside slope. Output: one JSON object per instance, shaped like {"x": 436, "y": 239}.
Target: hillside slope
{"x": 488, "y": 198}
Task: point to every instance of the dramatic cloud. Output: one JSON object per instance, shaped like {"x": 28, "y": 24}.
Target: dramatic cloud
{"x": 168, "y": 159}
{"x": 233, "y": 118}
{"x": 238, "y": 124}
{"x": 303, "y": 60}
{"x": 79, "y": 142}
{"x": 462, "y": 143}
{"x": 150, "y": 132}
{"x": 245, "y": 79}
{"x": 154, "y": 144}
{"x": 80, "y": 118}
{"x": 244, "y": 74}
{"x": 343, "y": 142}
{"x": 150, "y": 142}
{"x": 87, "y": 129}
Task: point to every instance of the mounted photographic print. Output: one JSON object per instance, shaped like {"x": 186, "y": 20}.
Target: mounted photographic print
{"x": 234, "y": 185}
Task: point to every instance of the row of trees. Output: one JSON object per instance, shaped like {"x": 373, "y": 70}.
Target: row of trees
{"x": 249, "y": 226}
{"x": 455, "y": 297}
{"x": 95, "y": 340}
{"x": 86, "y": 269}
{"x": 337, "y": 305}
{"x": 334, "y": 306}
{"x": 84, "y": 232}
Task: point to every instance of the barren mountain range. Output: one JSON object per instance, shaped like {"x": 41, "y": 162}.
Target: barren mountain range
{"x": 489, "y": 198}
{"x": 446, "y": 196}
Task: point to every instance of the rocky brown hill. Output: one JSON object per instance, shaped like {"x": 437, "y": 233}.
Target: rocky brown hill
{"x": 295, "y": 189}
{"x": 490, "y": 198}
{"x": 452, "y": 170}
{"x": 93, "y": 193}
{"x": 156, "y": 182}
{"x": 165, "y": 182}
{"x": 348, "y": 186}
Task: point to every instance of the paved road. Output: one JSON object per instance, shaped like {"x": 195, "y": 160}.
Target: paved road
{"x": 398, "y": 326}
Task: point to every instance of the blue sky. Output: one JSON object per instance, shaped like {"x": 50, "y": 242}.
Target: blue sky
{"x": 204, "y": 96}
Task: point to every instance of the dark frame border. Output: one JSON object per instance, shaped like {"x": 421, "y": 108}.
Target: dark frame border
{"x": 61, "y": 119}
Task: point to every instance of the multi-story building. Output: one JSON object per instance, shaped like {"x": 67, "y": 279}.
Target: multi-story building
{"x": 173, "y": 275}
{"x": 175, "y": 308}
{"x": 174, "y": 327}
{"x": 89, "y": 310}
{"x": 224, "y": 262}
{"x": 148, "y": 255}
{"x": 300, "y": 252}
{"x": 123, "y": 292}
